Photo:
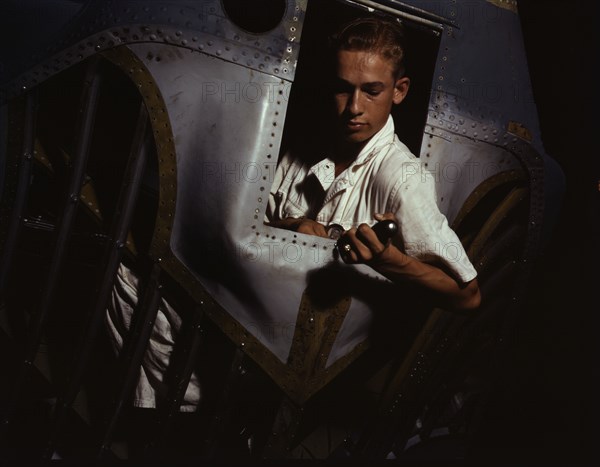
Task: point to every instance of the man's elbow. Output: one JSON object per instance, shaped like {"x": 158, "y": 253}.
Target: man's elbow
{"x": 470, "y": 299}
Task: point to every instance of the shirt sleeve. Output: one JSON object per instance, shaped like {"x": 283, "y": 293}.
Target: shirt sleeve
{"x": 274, "y": 205}
{"x": 424, "y": 230}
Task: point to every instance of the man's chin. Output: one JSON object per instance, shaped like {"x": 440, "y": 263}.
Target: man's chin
{"x": 349, "y": 136}
{"x": 354, "y": 138}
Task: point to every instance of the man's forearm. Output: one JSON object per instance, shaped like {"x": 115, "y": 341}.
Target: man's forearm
{"x": 448, "y": 293}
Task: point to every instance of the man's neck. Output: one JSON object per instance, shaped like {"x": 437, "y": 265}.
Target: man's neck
{"x": 344, "y": 154}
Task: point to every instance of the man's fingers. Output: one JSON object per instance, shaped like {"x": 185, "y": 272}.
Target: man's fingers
{"x": 321, "y": 232}
{"x": 359, "y": 251}
{"x": 311, "y": 227}
{"x": 387, "y": 216}
{"x": 369, "y": 238}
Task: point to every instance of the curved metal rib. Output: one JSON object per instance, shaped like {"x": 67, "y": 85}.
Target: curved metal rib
{"x": 88, "y": 111}
{"x": 112, "y": 257}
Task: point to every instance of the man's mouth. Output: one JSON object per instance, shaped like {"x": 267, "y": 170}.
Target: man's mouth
{"x": 352, "y": 125}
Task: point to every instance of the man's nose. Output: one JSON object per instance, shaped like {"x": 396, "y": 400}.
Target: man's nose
{"x": 355, "y": 106}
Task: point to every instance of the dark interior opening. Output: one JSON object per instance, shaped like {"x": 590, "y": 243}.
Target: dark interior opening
{"x": 257, "y": 16}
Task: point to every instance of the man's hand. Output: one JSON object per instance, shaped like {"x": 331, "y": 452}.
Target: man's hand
{"x": 301, "y": 225}
{"x": 364, "y": 246}
{"x": 310, "y": 227}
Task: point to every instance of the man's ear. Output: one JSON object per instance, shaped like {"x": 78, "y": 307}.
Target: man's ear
{"x": 401, "y": 89}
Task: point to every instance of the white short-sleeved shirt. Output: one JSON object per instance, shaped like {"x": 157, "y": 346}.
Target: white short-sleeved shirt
{"x": 385, "y": 177}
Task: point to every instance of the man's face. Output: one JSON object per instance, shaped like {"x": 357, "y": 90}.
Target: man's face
{"x": 364, "y": 91}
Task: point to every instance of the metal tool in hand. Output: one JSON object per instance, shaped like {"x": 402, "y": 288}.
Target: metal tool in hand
{"x": 383, "y": 229}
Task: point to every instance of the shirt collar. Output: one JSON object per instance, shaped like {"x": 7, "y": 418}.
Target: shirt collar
{"x": 382, "y": 138}
{"x": 325, "y": 172}
{"x": 325, "y": 169}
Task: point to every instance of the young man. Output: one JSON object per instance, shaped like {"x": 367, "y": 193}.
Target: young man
{"x": 369, "y": 175}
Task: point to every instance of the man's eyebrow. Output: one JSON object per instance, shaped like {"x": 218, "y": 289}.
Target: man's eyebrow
{"x": 374, "y": 84}
{"x": 371, "y": 84}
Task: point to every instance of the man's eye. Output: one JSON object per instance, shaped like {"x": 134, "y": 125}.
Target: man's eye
{"x": 373, "y": 92}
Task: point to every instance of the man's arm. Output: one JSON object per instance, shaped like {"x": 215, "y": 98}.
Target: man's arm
{"x": 300, "y": 224}
{"x": 399, "y": 267}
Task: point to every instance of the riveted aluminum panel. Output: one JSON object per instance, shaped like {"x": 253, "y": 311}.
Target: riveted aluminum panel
{"x": 482, "y": 61}
{"x": 462, "y": 152}
{"x": 194, "y": 25}
{"x": 227, "y": 122}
